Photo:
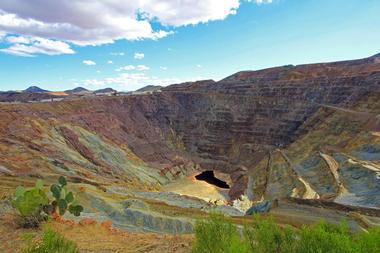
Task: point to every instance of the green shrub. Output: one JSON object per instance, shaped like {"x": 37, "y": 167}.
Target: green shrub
{"x": 217, "y": 235}
{"x": 325, "y": 237}
{"x": 52, "y": 242}
{"x": 264, "y": 236}
{"x": 368, "y": 242}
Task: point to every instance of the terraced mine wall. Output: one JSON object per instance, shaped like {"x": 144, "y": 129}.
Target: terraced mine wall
{"x": 231, "y": 125}
{"x": 234, "y": 126}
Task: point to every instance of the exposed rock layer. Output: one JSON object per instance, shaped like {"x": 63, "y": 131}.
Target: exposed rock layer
{"x": 264, "y": 128}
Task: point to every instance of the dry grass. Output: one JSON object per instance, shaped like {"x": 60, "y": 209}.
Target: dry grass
{"x": 95, "y": 238}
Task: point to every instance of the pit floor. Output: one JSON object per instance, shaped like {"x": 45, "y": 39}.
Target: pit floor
{"x": 190, "y": 186}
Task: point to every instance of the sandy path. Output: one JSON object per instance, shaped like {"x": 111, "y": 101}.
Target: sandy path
{"x": 367, "y": 164}
{"x": 334, "y": 166}
{"x": 310, "y": 193}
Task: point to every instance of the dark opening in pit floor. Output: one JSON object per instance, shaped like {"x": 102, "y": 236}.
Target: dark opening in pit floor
{"x": 209, "y": 177}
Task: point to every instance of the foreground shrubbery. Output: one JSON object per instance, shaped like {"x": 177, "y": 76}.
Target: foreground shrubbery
{"x": 51, "y": 242}
{"x": 217, "y": 235}
{"x": 34, "y": 205}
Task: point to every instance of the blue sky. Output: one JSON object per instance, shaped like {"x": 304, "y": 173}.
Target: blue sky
{"x": 193, "y": 44}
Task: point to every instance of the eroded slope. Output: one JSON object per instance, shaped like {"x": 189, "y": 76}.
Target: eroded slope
{"x": 308, "y": 131}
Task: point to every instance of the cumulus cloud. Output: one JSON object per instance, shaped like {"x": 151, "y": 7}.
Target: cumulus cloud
{"x": 24, "y": 46}
{"x": 74, "y": 21}
{"x": 261, "y": 1}
{"x": 92, "y": 83}
{"x": 163, "y": 68}
{"x": 133, "y": 81}
{"x": 18, "y": 39}
{"x": 126, "y": 68}
{"x": 132, "y": 67}
{"x": 190, "y": 12}
{"x": 139, "y": 56}
{"x": 109, "y": 62}
{"x": 117, "y": 53}
{"x": 97, "y": 22}
{"x": 89, "y": 62}
{"x": 142, "y": 67}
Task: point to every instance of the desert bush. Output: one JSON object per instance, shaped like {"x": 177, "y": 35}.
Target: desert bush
{"x": 51, "y": 242}
{"x": 368, "y": 242}
{"x": 264, "y": 236}
{"x": 325, "y": 237}
{"x": 217, "y": 235}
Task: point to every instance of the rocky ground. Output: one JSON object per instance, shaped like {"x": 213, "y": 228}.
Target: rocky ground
{"x": 95, "y": 237}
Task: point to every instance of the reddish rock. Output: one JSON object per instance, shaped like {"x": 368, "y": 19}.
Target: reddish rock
{"x": 87, "y": 221}
{"x": 107, "y": 224}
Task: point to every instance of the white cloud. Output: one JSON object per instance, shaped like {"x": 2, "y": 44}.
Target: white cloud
{"x": 139, "y": 56}
{"x": 30, "y": 46}
{"x": 190, "y": 12}
{"x": 132, "y": 67}
{"x": 198, "y": 66}
{"x": 109, "y": 62}
{"x": 142, "y": 67}
{"x": 126, "y": 68}
{"x": 18, "y": 39}
{"x": 89, "y": 62}
{"x": 96, "y": 22}
{"x": 92, "y": 83}
{"x": 73, "y": 21}
{"x": 261, "y": 1}
{"x": 117, "y": 53}
{"x": 163, "y": 68}
{"x": 133, "y": 81}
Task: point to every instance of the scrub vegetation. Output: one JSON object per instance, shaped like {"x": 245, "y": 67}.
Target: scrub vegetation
{"x": 218, "y": 235}
{"x": 51, "y": 242}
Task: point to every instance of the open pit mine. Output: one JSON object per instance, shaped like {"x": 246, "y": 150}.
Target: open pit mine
{"x": 299, "y": 143}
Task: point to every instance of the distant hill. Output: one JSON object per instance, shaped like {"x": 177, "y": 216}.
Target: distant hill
{"x": 14, "y": 96}
{"x": 106, "y": 90}
{"x": 77, "y": 90}
{"x": 149, "y": 88}
{"x": 35, "y": 89}
{"x": 376, "y": 55}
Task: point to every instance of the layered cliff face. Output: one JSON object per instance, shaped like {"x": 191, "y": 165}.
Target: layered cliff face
{"x": 303, "y": 131}
{"x": 233, "y": 124}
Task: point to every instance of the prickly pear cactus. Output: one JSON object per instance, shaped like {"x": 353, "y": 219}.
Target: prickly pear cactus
{"x": 30, "y": 202}
{"x": 64, "y": 199}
